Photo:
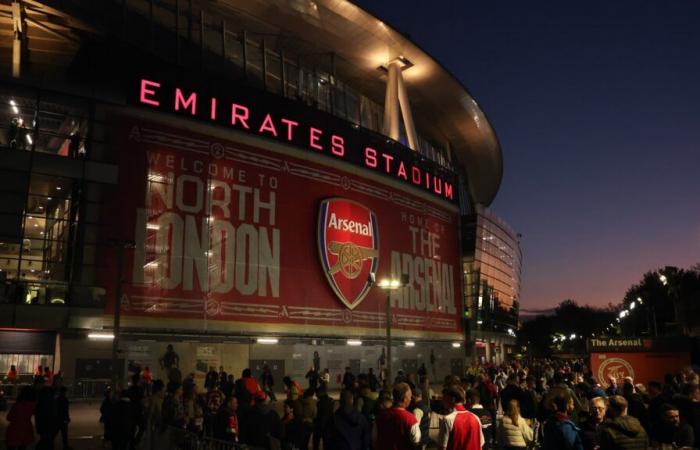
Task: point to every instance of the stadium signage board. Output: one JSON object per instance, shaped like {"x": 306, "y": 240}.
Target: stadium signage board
{"x": 226, "y": 237}
{"x": 275, "y": 117}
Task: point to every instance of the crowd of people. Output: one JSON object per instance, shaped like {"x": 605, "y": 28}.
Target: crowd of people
{"x": 46, "y": 400}
{"x": 553, "y": 405}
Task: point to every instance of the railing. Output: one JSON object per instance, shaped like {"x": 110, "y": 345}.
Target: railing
{"x": 185, "y": 440}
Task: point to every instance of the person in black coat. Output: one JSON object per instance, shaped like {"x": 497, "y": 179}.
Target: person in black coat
{"x": 348, "y": 379}
{"x": 63, "y": 412}
{"x": 259, "y": 423}
{"x": 349, "y": 430}
{"x": 123, "y": 422}
{"x": 324, "y": 418}
{"x": 511, "y": 392}
{"x": 674, "y": 432}
{"x": 46, "y": 418}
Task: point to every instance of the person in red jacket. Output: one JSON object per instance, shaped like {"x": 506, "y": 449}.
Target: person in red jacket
{"x": 251, "y": 385}
{"x": 11, "y": 375}
{"x": 459, "y": 429}
{"x": 397, "y": 429}
{"x": 20, "y": 432}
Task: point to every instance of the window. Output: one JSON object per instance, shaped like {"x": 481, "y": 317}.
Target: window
{"x": 44, "y": 123}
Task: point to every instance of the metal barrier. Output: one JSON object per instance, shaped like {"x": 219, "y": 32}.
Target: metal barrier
{"x": 185, "y": 440}
{"x": 92, "y": 388}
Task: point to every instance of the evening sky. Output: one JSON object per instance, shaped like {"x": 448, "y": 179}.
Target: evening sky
{"x": 597, "y": 108}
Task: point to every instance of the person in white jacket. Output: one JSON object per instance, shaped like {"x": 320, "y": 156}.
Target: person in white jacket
{"x": 513, "y": 430}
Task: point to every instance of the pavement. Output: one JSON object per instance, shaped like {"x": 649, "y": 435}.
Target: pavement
{"x": 85, "y": 430}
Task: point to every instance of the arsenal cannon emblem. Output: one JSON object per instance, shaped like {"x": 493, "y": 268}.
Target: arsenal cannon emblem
{"x": 348, "y": 245}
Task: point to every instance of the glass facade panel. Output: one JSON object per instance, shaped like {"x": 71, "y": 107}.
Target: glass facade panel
{"x": 291, "y": 76}
{"x": 42, "y": 237}
{"x": 492, "y": 272}
{"x": 273, "y": 76}
{"x": 49, "y": 123}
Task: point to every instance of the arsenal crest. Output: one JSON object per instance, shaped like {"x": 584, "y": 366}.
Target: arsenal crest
{"x": 348, "y": 244}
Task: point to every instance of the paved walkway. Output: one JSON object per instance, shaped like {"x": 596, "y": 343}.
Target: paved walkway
{"x": 85, "y": 431}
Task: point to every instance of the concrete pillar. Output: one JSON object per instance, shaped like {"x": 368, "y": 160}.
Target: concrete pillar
{"x": 391, "y": 101}
{"x": 407, "y": 116}
{"x": 20, "y": 38}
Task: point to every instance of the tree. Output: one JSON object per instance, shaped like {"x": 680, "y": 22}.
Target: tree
{"x": 569, "y": 319}
{"x": 666, "y": 300}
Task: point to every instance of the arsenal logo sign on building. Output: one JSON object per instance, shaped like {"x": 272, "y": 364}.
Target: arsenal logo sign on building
{"x": 229, "y": 234}
{"x": 348, "y": 244}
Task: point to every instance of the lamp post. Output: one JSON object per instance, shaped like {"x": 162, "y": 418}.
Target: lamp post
{"x": 120, "y": 246}
{"x": 390, "y": 284}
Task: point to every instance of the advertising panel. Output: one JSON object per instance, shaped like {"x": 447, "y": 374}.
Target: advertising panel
{"x": 641, "y": 366}
{"x": 256, "y": 236}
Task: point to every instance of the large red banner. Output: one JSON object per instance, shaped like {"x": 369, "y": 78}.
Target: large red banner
{"x": 252, "y": 235}
{"x": 641, "y": 366}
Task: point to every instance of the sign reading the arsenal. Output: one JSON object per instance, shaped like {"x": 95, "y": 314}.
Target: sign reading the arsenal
{"x": 348, "y": 244}
{"x": 641, "y": 366}
{"x": 229, "y": 230}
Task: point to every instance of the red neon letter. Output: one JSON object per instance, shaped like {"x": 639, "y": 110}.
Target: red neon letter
{"x": 243, "y": 116}
{"x": 213, "y": 108}
{"x": 402, "y": 171}
{"x": 370, "y": 157}
{"x": 180, "y": 100}
{"x": 388, "y": 159}
{"x": 437, "y": 185}
{"x": 427, "y": 180}
{"x": 267, "y": 125}
{"x": 145, "y": 91}
{"x": 448, "y": 190}
{"x": 290, "y": 127}
{"x": 337, "y": 145}
{"x": 415, "y": 175}
{"x": 314, "y": 136}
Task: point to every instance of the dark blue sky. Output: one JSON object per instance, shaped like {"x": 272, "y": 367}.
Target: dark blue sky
{"x": 597, "y": 107}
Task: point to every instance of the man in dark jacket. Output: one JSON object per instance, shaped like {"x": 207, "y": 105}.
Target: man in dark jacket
{"x": 635, "y": 404}
{"x": 350, "y": 430}
{"x": 124, "y": 423}
{"x": 590, "y": 426}
{"x": 324, "y": 418}
{"x": 511, "y": 392}
{"x": 560, "y": 433}
{"x": 45, "y": 418}
{"x": 260, "y": 423}
{"x": 63, "y": 412}
{"x": 348, "y": 379}
{"x": 673, "y": 431}
{"x": 530, "y": 399}
{"x": 419, "y": 409}
{"x": 620, "y": 431}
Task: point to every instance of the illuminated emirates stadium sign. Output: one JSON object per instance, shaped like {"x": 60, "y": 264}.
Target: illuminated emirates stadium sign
{"x": 263, "y": 116}
{"x": 348, "y": 244}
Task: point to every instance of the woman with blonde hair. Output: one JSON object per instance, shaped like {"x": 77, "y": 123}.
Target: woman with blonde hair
{"x": 513, "y": 430}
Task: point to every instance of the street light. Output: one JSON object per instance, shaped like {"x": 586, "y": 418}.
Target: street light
{"x": 632, "y": 305}
{"x": 388, "y": 285}
{"x": 120, "y": 245}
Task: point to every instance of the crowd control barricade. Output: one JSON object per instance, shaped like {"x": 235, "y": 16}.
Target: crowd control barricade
{"x": 177, "y": 438}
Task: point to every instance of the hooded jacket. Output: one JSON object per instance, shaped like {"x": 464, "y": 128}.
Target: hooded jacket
{"x": 560, "y": 433}
{"x": 622, "y": 433}
{"x": 350, "y": 430}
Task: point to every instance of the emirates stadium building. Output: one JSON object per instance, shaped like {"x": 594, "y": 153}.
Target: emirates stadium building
{"x": 252, "y": 182}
